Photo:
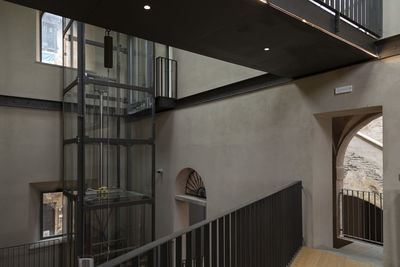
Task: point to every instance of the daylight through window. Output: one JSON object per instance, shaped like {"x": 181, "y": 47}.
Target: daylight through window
{"x": 51, "y": 39}
{"x": 52, "y": 214}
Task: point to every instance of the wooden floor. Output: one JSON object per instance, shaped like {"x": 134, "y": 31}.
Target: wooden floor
{"x": 309, "y": 257}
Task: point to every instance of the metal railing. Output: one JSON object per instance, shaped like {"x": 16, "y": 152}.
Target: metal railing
{"x": 361, "y": 215}
{"x": 267, "y": 232}
{"x": 166, "y": 77}
{"x": 365, "y": 14}
{"x": 54, "y": 252}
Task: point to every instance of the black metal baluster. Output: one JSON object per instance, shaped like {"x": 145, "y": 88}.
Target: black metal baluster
{"x": 206, "y": 245}
{"x": 164, "y": 255}
{"x": 227, "y": 242}
{"x": 233, "y": 239}
{"x": 214, "y": 248}
{"x": 369, "y": 216}
{"x": 178, "y": 251}
{"x": 221, "y": 242}
{"x": 358, "y": 214}
{"x": 189, "y": 254}
{"x": 375, "y": 217}
{"x": 198, "y": 257}
{"x": 381, "y": 199}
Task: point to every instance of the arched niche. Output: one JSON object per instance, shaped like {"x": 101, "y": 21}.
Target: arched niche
{"x": 190, "y": 196}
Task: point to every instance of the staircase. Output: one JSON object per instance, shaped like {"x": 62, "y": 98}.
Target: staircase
{"x": 265, "y": 232}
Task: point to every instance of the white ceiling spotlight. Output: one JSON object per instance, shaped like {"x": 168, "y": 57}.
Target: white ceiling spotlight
{"x": 267, "y": 49}
{"x": 147, "y": 7}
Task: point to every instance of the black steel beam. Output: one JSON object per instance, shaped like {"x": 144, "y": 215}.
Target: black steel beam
{"x": 246, "y": 86}
{"x": 242, "y": 87}
{"x": 110, "y": 204}
{"x": 389, "y": 47}
{"x": 111, "y": 141}
{"x": 23, "y": 102}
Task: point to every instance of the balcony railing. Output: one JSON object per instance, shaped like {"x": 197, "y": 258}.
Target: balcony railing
{"x": 361, "y": 215}
{"x": 55, "y": 252}
{"x": 267, "y": 232}
{"x": 166, "y": 77}
{"x": 365, "y": 14}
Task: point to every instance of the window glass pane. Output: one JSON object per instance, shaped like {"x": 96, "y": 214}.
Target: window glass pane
{"x": 52, "y": 221}
{"x": 51, "y": 39}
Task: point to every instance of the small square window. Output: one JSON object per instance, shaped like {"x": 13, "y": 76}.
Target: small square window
{"x": 51, "y": 38}
{"x": 52, "y": 214}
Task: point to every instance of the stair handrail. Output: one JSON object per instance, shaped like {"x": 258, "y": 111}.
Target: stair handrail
{"x": 148, "y": 247}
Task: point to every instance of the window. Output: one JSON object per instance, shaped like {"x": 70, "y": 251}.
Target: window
{"x": 51, "y": 38}
{"x": 52, "y": 214}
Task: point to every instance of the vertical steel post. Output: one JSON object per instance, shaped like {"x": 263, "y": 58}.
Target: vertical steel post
{"x": 153, "y": 157}
{"x": 80, "y": 226}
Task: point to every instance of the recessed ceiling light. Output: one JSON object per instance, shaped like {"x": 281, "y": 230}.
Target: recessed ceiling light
{"x": 266, "y": 49}
{"x": 147, "y": 7}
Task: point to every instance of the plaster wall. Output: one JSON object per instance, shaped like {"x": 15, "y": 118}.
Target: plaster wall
{"x": 20, "y": 73}
{"x": 30, "y": 140}
{"x": 247, "y": 145}
{"x": 391, "y": 18}
{"x": 30, "y": 153}
{"x": 197, "y": 73}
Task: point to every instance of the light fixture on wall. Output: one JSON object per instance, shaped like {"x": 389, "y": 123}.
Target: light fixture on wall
{"x": 266, "y": 49}
{"x": 147, "y": 7}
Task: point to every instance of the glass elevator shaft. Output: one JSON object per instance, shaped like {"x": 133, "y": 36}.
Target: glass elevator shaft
{"x": 109, "y": 150}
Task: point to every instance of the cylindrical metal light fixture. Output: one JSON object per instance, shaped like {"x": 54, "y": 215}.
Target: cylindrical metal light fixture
{"x": 108, "y": 50}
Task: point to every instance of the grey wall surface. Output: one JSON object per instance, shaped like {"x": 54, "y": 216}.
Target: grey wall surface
{"x": 20, "y": 73}
{"x": 247, "y": 145}
{"x": 391, "y": 18}
{"x": 197, "y": 73}
{"x": 30, "y": 152}
{"x": 30, "y": 140}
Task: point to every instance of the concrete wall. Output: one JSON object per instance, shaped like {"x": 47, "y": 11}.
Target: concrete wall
{"x": 20, "y": 73}
{"x": 391, "y": 18}
{"x": 197, "y": 73}
{"x": 246, "y": 145}
{"x": 30, "y": 140}
{"x": 30, "y": 152}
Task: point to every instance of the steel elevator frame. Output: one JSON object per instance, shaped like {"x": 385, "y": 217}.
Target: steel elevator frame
{"x": 79, "y": 205}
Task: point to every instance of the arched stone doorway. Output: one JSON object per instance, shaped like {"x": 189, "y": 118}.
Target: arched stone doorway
{"x": 355, "y": 206}
{"x": 191, "y": 199}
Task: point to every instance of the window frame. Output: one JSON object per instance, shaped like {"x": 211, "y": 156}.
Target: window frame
{"x": 41, "y": 214}
{"x": 40, "y": 39}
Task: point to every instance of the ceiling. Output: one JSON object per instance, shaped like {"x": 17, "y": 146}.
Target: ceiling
{"x": 236, "y": 31}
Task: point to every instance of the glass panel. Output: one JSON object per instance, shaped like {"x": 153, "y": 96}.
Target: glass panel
{"x": 51, "y": 51}
{"x": 71, "y": 113}
{"x": 139, "y": 169}
{"x": 140, "y": 128}
{"x": 118, "y": 169}
{"x": 107, "y": 111}
{"x": 70, "y": 166}
{"x": 95, "y": 54}
{"x": 103, "y": 167}
{"x": 114, "y": 231}
{"x": 132, "y": 58}
{"x": 52, "y": 214}
{"x": 70, "y": 55}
